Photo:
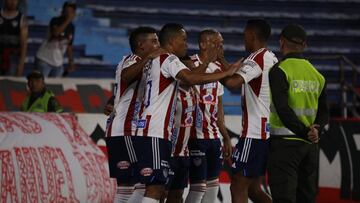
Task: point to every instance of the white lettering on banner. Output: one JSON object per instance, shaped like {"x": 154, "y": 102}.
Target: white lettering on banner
{"x": 62, "y": 165}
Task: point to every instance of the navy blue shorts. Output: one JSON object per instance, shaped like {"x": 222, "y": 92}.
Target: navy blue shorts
{"x": 250, "y": 157}
{"x": 153, "y": 160}
{"x": 179, "y": 175}
{"x": 205, "y": 159}
{"x": 120, "y": 162}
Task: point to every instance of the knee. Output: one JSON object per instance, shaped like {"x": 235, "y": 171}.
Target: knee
{"x": 175, "y": 196}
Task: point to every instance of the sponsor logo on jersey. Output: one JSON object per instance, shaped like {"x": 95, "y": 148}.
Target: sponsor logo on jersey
{"x": 123, "y": 164}
{"x": 141, "y": 123}
{"x": 146, "y": 171}
{"x": 267, "y": 128}
{"x": 210, "y": 85}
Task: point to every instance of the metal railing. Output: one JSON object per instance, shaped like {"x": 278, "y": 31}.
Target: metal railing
{"x": 346, "y": 86}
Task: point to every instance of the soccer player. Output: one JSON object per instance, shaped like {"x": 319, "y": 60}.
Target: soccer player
{"x": 250, "y": 153}
{"x": 205, "y": 143}
{"x": 129, "y": 78}
{"x": 158, "y": 108}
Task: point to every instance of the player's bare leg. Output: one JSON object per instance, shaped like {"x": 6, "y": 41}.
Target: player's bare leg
{"x": 175, "y": 196}
{"x": 256, "y": 193}
{"x": 239, "y": 188}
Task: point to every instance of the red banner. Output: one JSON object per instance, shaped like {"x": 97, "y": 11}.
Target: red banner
{"x": 49, "y": 158}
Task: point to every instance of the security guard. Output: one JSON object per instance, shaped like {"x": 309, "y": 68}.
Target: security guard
{"x": 40, "y": 98}
{"x": 298, "y": 113}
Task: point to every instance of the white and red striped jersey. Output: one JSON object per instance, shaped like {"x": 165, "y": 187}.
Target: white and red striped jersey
{"x": 256, "y": 94}
{"x": 159, "y": 104}
{"x": 127, "y": 100}
{"x": 184, "y": 119}
{"x": 207, "y": 104}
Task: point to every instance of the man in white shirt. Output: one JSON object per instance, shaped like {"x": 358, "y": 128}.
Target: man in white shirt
{"x": 250, "y": 154}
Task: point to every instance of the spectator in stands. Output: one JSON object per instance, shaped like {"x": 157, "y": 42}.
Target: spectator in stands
{"x": 13, "y": 39}
{"x": 40, "y": 99}
{"x": 50, "y": 56}
{"x": 298, "y": 112}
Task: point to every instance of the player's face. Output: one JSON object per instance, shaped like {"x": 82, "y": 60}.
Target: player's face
{"x": 180, "y": 44}
{"x": 151, "y": 42}
{"x": 36, "y": 85}
{"x": 248, "y": 39}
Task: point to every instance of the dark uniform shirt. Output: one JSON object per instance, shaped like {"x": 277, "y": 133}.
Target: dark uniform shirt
{"x": 279, "y": 87}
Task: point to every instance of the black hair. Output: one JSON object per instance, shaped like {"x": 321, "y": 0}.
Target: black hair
{"x": 69, "y": 4}
{"x": 261, "y": 28}
{"x": 136, "y": 35}
{"x": 168, "y": 31}
{"x": 205, "y": 33}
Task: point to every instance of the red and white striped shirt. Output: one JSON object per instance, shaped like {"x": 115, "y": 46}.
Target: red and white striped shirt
{"x": 159, "y": 105}
{"x": 256, "y": 94}
{"x": 184, "y": 119}
{"x": 127, "y": 100}
{"x": 207, "y": 104}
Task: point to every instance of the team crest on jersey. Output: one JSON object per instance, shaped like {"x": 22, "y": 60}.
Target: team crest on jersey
{"x": 14, "y": 23}
{"x": 208, "y": 98}
{"x": 146, "y": 171}
{"x": 210, "y": 85}
{"x": 188, "y": 121}
{"x": 123, "y": 164}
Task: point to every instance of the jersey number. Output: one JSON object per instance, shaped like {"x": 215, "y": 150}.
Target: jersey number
{"x": 148, "y": 95}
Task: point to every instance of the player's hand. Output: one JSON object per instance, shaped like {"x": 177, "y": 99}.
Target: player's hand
{"x": 234, "y": 68}
{"x": 227, "y": 148}
{"x": 313, "y": 134}
{"x": 108, "y": 109}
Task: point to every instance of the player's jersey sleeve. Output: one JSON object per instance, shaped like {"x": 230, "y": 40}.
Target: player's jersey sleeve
{"x": 172, "y": 66}
{"x": 220, "y": 90}
{"x": 250, "y": 70}
{"x": 130, "y": 61}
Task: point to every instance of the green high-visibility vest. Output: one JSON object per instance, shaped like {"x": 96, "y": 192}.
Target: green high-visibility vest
{"x": 305, "y": 87}
{"x": 40, "y": 105}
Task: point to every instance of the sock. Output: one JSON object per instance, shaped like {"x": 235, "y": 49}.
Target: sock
{"x": 212, "y": 189}
{"x": 149, "y": 200}
{"x": 138, "y": 194}
{"x": 123, "y": 193}
{"x": 196, "y": 193}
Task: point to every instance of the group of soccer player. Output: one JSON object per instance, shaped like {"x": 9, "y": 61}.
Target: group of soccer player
{"x": 168, "y": 128}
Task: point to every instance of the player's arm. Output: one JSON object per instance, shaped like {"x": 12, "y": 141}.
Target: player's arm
{"x": 248, "y": 72}
{"x": 130, "y": 73}
{"x": 190, "y": 78}
{"x": 24, "y": 32}
{"x": 233, "y": 82}
{"x": 227, "y": 148}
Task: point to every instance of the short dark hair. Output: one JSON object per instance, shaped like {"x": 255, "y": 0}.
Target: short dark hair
{"x": 205, "y": 33}
{"x": 168, "y": 31}
{"x": 69, "y": 4}
{"x": 261, "y": 28}
{"x": 137, "y": 34}
{"x": 35, "y": 74}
